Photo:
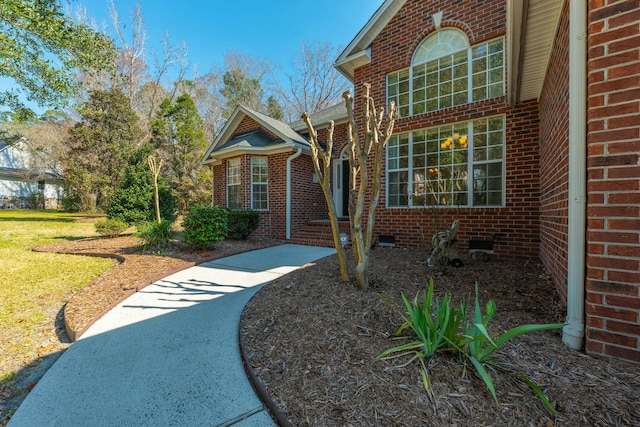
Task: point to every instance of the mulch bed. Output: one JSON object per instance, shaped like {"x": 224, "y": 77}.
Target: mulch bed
{"x": 313, "y": 342}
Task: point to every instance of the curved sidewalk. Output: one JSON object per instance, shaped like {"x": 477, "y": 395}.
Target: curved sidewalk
{"x": 167, "y": 355}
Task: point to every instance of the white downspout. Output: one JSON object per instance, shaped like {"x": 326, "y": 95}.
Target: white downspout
{"x": 573, "y": 333}
{"x": 288, "y": 202}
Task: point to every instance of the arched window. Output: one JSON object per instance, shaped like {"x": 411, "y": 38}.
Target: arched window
{"x": 446, "y": 71}
{"x": 443, "y": 43}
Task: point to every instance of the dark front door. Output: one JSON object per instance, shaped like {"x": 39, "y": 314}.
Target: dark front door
{"x": 346, "y": 188}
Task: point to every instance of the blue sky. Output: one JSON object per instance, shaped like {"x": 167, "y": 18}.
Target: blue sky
{"x": 268, "y": 29}
{"x": 271, "y": 29}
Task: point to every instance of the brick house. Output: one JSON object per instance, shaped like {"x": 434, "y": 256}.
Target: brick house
{"x": 519, "y": 118}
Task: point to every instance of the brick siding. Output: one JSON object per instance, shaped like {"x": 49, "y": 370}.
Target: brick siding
{"x": 307, "y": 199}
{"x": 613, "y": 162}
{"x": 515, "y": 227}
{"x": 554, "y": 160}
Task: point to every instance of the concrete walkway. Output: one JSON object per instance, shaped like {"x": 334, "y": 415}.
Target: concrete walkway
{"x": 168, "y": 355}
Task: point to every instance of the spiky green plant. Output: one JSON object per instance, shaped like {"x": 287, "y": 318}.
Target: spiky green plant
{"x": 440, "y": 327}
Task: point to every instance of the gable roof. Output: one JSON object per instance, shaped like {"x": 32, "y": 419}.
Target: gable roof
{"x": 531, "y": 29}
{"x": 337, "y": 113}
{"x": 255, "y": 139}
{"x": 224, "y": 145}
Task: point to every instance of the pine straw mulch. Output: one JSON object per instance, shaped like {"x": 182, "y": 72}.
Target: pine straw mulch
{"x": 313, "y": 342}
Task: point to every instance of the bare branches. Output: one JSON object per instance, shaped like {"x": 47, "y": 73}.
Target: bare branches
{"x": 313, "y": 84}
{"x": 323, "y": 172}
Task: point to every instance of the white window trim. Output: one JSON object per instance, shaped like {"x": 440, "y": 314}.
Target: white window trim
{"x": 229, "y": 185}
{"x": 470, "y": 164}
{"x": 266, "y": 184}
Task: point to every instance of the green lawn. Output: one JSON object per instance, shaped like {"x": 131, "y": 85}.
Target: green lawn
{"x": 34, "y": 286}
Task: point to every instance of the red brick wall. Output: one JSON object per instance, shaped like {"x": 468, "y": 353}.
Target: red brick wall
{"x": 515, "y": 227}
{"x": 613, "y": 162}
{"x": 554, "y": 159}
{"x": 307, "y": 199}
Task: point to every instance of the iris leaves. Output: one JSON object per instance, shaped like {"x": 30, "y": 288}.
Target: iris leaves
{"x": 441, "y": 327}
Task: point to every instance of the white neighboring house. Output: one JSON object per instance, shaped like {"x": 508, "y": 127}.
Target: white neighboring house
{"x": 23, "y": 174}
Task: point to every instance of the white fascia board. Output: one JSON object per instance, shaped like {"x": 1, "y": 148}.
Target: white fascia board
{"x": 361, "y": 42}
{"x": 228, "y": 128}
{"x": 348, "y": 65}
{"x": 258, "y": 151}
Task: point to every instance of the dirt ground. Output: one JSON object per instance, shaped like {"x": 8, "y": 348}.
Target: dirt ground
{"x": 313, "y": 342}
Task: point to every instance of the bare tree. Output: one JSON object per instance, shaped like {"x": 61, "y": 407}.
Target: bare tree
{"x": 377, "y": 130}
{"x": 322, "y": 166}
{"x": 155, "y": 165}
{"x": 132, "y": 64}
{"x": 313, "y": 84}
{"x": 365, "y": 183}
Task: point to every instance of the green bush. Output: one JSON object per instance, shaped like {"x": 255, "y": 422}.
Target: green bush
{"x": 205, "y": 225}
{"x": 133, "y": 202}
{"x": 156, "y": 235}
{"x": 112, "y": 227}
{"x": 240, "y": 224}
{"x": 36, "y": 200}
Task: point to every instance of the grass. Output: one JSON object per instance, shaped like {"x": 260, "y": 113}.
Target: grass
{"x": 34, "y": 286}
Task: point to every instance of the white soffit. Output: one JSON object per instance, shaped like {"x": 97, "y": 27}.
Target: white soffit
{"x": 541, "y": 27}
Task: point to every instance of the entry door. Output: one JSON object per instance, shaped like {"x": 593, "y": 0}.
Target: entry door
{"x": 341, "y": 176}
{"x": 346, "y": 180}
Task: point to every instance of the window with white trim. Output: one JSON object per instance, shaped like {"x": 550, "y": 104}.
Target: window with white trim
{"x": 259, "y": 183}
{"x": 453, "y": 165}
{"x": 234, "y": 184}
{"x": 445, "y": 71}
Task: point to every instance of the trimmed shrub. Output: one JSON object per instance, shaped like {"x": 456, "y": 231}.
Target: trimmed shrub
{"x": 204, "y": 225}
{"x": 112, "y": 227}
{"x": 240, "y": 224}
{"x": 156, "y": 235}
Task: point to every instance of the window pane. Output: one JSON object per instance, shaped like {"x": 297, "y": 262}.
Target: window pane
{"x": 495, "y": 198}
{"x": 496, "y": 123}
{"x": 495, "y": 169}
{"x": 495, "y": 76}
{"x": 397, "y": 189}
{"x": 488, "y": 69}
{"x": 495, "y": 153}
{"x": 496, "y": 90}
{"x": 479, "y": 154}
{"x": 233, "y": 197}
{"x": 495, "y": 61}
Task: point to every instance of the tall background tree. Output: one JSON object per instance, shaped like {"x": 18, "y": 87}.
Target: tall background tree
{"x": 242, "y": 84}
{"x": 312, "y": 84}
{"x": 100, "y": 146}
{"x": 178, "y": 137}
{"x": 40, "y": 48}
